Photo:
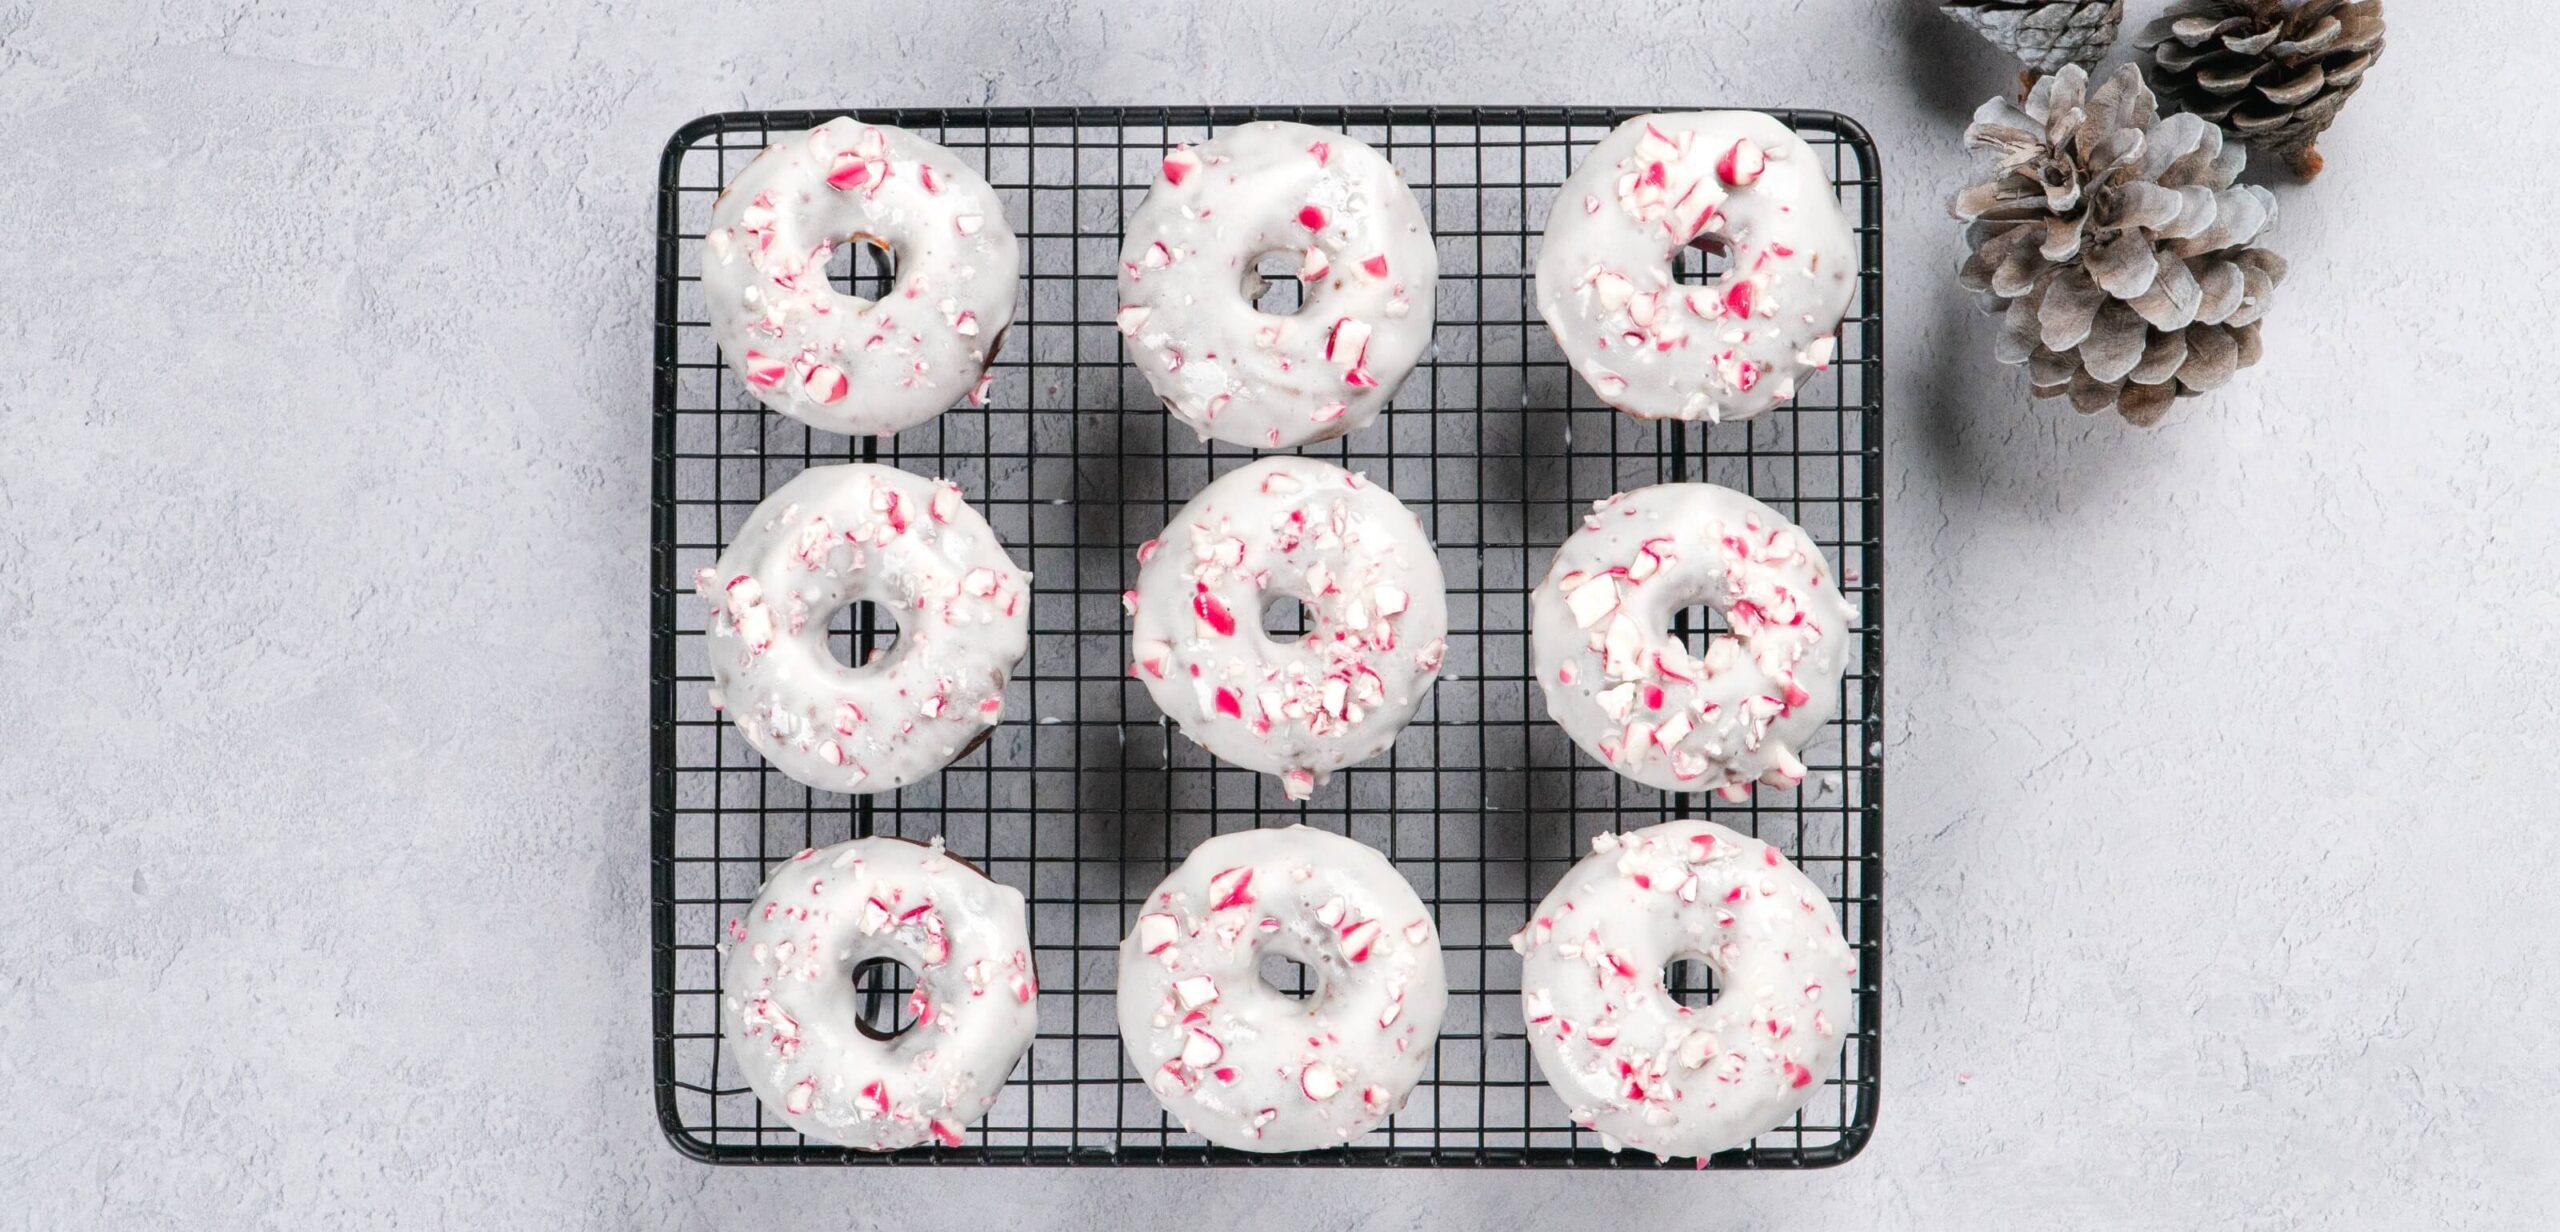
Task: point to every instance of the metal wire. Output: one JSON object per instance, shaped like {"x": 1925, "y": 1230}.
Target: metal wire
{"x": 1090, "y": 797}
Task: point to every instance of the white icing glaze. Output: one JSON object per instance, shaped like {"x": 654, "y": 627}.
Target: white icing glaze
{"x": 1633, "y": 696}
{"x": 1377, "y": 619}
{"x": 789, "y": 1010}
{"x": 1366, "y": 266}
{"x": 1627, "y": 1058}
{"x": 1725, "y": 351}
{"x": 1234, "y": 1059}
{"x": 837, "y": 535}
{"x": 860, "y": 367}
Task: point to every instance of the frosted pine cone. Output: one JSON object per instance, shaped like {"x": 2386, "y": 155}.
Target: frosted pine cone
{"x": 2046, "y": 34}
{"x": 2115, "y": 246}
{"x": 2273, "y": 73}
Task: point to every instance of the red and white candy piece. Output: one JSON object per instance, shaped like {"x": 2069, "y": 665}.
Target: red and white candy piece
{"x": 790, "y": 963}
{"x": 1366, "y": 266}
{"x": 1234, "y": 1060}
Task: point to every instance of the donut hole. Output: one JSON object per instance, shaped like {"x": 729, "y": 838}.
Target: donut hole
{"x": 1271, "y": 284}
{"x": 1691, "y": 981}
{"x": 1702, "y": 261}
{"x": 1284, "y": 619}
{"x": 1699, "y": 627}
{"x": 863, "y": 266}
{"x": 1286, "y": 976}
{"x": 881, "y": 987}
{"x": 861, "y": 632}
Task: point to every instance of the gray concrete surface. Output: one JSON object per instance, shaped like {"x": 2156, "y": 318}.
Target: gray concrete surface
{"x": 2221, "y": 828}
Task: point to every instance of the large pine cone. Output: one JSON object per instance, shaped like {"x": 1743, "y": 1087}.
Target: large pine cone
{"x": 2272, "y": 73}
{"x": 2115, "y": 245}
{"x": 2046, "y": 34}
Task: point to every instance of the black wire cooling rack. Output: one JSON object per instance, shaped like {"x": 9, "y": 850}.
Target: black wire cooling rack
{"x": 1090, "y": 797}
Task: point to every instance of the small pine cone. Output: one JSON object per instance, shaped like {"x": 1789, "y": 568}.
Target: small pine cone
{"x": 2273, "y": 73}
{"x": 2046, "y": 34}
{"x": 2116, "y": 245}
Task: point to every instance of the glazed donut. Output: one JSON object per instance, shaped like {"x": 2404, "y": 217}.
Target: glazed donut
{"x": 788, "y": 1005}
{"x": 1377, "y": 617}
{"x": 1188, "y": 289}
{"x": 1235, "y": 1060}
{"x": 1632, "y": 1062}
{"x": 837, "y": 535}
{"x": 860, "y": 367}
{"x": 1725, "y": 351}
{"x": 1630, "y": 693}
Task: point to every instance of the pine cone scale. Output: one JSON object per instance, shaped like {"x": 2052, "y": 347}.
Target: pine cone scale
{"x": 2124, "y": 266}
{"x": 2226, "y": 76}
{"x": 2213, "y": 358}
{"x": 2160, "y": 363}
{"x": 2174, "y": 296}
{"x": 2115, "y": 344}
{"x": 2070, "y": 310}
{"x": 2316, "y": 43}
{"x": 2294, "y": 93}
{"x": 2251, "y": 349}
{"x": 2219, "y": 290}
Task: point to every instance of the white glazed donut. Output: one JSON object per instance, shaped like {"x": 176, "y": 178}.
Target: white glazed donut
{"x": 837, "y": 535}
{"x": 788, "y": 1004}
{"x": 1726, "y": 351}
{"x": 1237, "y": 1061}
{"x": 1377, "y": 619}
{"x": 1628, "y": 1059}
{"x": 1632, "y": 695}
{"x": 860, "y": 367}
{"x": 1188, "y": 289}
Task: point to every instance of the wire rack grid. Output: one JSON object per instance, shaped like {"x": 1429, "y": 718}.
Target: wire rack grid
{"x": 1091, "y": 797}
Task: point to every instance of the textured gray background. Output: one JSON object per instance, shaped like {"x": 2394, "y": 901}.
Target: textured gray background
{"x": 2220, "y": 829}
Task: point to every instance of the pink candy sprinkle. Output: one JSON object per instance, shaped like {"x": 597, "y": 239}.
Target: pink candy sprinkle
{"x": 1742, "y": 165}
{"x": 1213, "y": 614}
{"x": 1231, "y": 888}
{"x": 1738, "y": 298}
{"x": 765, "y": 371}
{"x": 1317, "y": 1081}
{"x": 1359, "y": 939}
{"x": 824, "y": 383}
{"x": 851, "y": 171}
